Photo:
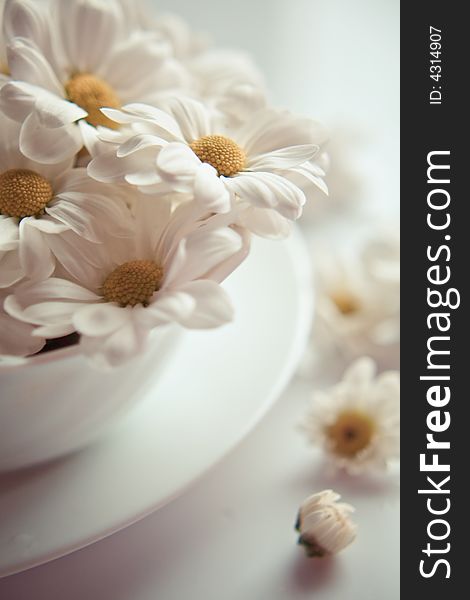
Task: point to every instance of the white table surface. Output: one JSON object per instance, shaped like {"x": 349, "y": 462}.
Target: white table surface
{"x": 231, "y": 537}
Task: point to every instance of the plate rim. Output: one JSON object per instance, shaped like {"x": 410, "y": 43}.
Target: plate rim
{"x": 297, "y": 249}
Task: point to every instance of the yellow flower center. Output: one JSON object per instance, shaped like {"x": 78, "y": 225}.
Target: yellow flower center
{"x": 345, "y": 302}
{"x": 92, "y": 93}
{"x": 132, "y": 283}
{"x": 4, "y": 70}
{"x": 220, "y": 152}
{"x": 352, "y": 432}
{"x": 23, "y": 193}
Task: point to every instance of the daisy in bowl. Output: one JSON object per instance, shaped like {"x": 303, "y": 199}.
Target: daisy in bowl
{"x": 46, "y": 209}
{"x": 168, "y": 272}
{"x": 191, "y": 150}
{"x": 357, "y": 421}
{"x": 93, "y": 61}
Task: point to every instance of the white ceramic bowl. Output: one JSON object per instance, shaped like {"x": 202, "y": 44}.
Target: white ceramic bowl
{"x": 57, "y": 402}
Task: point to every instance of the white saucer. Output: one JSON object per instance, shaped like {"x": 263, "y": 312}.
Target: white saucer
{"x": 218, "y": 386}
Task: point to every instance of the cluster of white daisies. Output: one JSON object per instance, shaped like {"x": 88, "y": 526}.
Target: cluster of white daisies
{"x": 135, "y": 164}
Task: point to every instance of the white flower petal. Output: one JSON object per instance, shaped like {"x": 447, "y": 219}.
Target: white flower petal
{"x": 89, "y": 30}
{"x": 167, "y": 307}
{"x": 11, "y": 270}
{"x": 213, "y": 307}
{"x": 35, "y": 256}
{"x": 17, "y": 99}
{"x": 23, "y": 19}
{"x": 285, "y": 158}
{"x": 265, "y": 222}
{"x": 270, "y": 130}
{"x": 204, "y": 250}
{"x": 27, "y": 63}
{"x": 48, "y": 145}
{"x": 135, "y": 65}
{"x": 111, "y": 351}
{"x": 138, "y": 142}
{"x": 268, "y": 190}
{"x": 177, "y": 160}
{"x": 8, "y": 233}
{"x": 192, "y": 117}
{"x": 98, "y": 320}
{"x": 210, "y": 191}
{"x": 159, "y": 120}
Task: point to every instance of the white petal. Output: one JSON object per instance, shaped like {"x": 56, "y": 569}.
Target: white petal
{"x": 167, "y": 307}
{"x": 133, "y": 69}
{"x": 138, "y": 142}
{"x": 204, "y": 250}
{"x": 8, "y": 233}
{"x": 284, "y": 158}
{"x": 26, "y": 63}
{"x": 11, "y": 270}
{"x": 224, "y": 268}
{"x": 35, "y": 256}
{"x": 192, "y": 117}
{"x": 111, "y": 351}
{"x": 23, "y": 19}
{"x": 137, "y": 168}
{"x": 210, "y": 191}
{"x": 268, "y": 190}
{"x": 89, "y": 30}
{"x": 270, "y": 130}
{"x": 48, "y": 145}
{"x": 177, "y": 160}
{"x": 17, "y": 99}
{"x": 55, "y": 288}
{"x": 159, "y": 120}
{"x": 91, "y": 140}
{"x": 51, "y": 313}
{"x": 99, "y": 319}
{"x": 265, "y": 222}
{"x": 53, "y": 111}
{"x": 53, "y": 331}
{"x": 213, "y": 306}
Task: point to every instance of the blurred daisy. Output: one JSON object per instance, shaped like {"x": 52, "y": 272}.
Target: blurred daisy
{"x": 44, "y": 209}
{"x": 191, "y": 151}
{"x": 324, "y": 524}
{"x": 168, "y": 272}
{"x": 228, "y": 81}
{"x": 95, "y": 62}
{"x": 358, "y": 301}
{"x": 356, "y": 422}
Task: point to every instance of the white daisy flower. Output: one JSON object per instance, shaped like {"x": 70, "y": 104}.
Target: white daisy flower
{"x": 324, "y": 524}
{"x": 168, "y": 272}
{"x": 357, "y": 421}
{"x": 358, "y": 302}
{"x": 95, "y": 62}
{"x": 45, "y": 209}
{"x": 191, "y": 151}
{"x": 16, "y": 339}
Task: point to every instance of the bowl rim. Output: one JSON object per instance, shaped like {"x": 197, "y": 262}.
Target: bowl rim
{"x": 42, "y": 358}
